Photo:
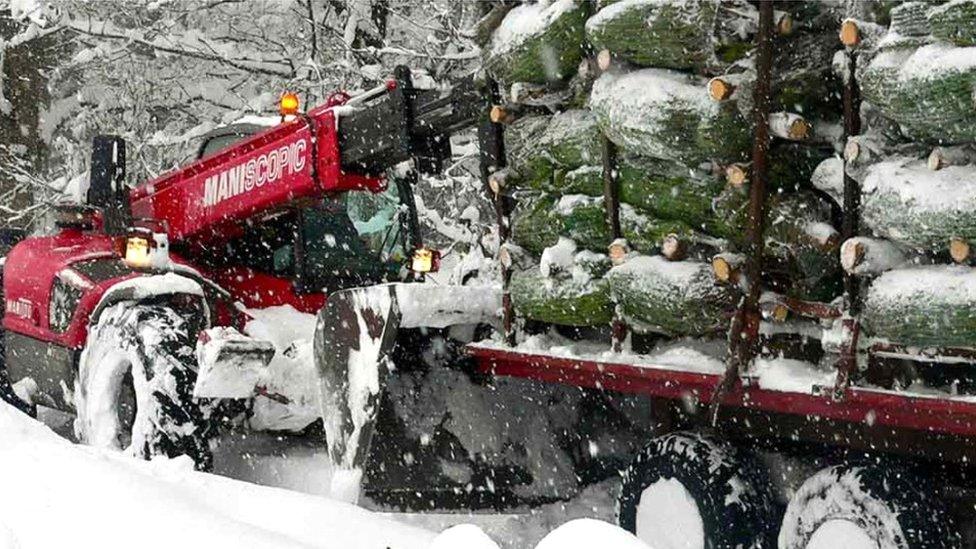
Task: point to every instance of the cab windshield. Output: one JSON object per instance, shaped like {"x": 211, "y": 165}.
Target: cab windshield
{"x": 351, "y": 240}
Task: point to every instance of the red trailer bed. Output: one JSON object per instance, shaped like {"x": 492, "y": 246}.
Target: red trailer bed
{"x": 915, "y": 414}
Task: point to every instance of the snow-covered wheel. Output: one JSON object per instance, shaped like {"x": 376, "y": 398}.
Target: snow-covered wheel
{"x": 688, "y": 490}
{"x": 865, "y": 507}
{"x": 134, "y": 390}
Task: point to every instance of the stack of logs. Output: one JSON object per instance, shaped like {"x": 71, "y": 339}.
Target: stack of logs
{"x": 916, "y": 165}
{"x": 662, "y": 108}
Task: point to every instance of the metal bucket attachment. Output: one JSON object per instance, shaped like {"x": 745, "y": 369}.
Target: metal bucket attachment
{"x": 355, "y": 332}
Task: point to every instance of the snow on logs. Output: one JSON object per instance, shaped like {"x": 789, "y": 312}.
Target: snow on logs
{"x": 928, "y": 306}
{"x": 650, "y": 33}
{"x": 928, "y": 91}
{"x": 954, "y": 22}
{"x": 677, "y": 298}
{"x": 566, "y": 289}
{"x": 540, "y": 222}
{"x": 668, "y": 115}
{"x": 907, "y": 202}
{"x": 538, "y": 42}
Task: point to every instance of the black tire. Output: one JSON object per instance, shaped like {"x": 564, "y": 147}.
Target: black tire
{"x": 889, "y": 506}
{"x": 134, "y": 390}
{"x": 728, "y": 487}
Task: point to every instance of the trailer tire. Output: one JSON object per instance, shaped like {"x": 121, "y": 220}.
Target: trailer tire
{"x": 134, "y": 390}
{"x": 726, "y": 487}
{"x": 880, "y": 507}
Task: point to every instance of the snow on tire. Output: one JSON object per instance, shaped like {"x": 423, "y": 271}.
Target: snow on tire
{"x": 134, "y": 390}
{"x": 688, "y": 490}
{"x": 865, "y": 507}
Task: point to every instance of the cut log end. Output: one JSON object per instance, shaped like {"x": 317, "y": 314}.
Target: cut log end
{"x": 736, "y": 175}
{"x": 496, "y": 181}
{"x": 720, "y": 89}
{"x": 674, "y": 248}
{"x": 851, "y": 255}
{"x": 799, "y": 130}
{"x": 585, "y": 70}
{"x": 850, "y": 33}
{"x": 618, "y": 251}
{"x": 505, "y": 257}
{"x": 784, "y": 23}
{"x": 725, "y": 270}
{"x": 604, "y": 60}
{"x": 779, "y": 312}
{"x": 936, "y": 159}
{"x": 959, "y": 250}
{"x": 852, "y": 151}
{"x": 501, "y": 115}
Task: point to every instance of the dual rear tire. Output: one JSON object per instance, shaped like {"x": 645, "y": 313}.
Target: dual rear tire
{"x": 688, "y": 490}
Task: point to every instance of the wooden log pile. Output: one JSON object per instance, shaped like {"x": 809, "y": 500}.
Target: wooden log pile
{"x": 918, "y": 182}
{"x": 669, "y": 85}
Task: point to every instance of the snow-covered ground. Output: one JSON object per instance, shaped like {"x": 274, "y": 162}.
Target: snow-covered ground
{"x": 59, "y": 494}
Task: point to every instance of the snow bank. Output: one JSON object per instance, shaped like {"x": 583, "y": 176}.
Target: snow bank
{"x": 467, "y": 536}
{"x": 590, "y": 533}
{"x": 291, "y": 372}
{"x": 56, "y": 494}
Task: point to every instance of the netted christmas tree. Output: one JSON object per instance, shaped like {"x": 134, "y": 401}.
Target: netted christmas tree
{"x": 669, "y": 85}
{"x": 915, "y": 165}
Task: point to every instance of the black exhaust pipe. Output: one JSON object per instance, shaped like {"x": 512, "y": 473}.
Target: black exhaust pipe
{"x": 107, "y": 189}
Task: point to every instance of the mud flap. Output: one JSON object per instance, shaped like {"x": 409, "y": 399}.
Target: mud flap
{"x": 354, "y": 334}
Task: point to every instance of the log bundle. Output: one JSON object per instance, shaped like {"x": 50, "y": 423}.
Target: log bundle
{"x": 668, "y": 90}
{"x": 928, "y": 91}
{"x": 673, "y": 35}
{"x": 674, "y": 298}
{"x": 927, "y": 306}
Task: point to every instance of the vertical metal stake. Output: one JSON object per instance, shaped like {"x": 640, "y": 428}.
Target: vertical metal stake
{"x": 492, "y": 146}
{"x": 744, "y": 331}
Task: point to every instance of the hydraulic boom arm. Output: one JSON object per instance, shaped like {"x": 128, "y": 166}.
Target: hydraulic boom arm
{"x": 344, "y": 145}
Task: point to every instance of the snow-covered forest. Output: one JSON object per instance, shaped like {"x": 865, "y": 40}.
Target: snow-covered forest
{"x": 635, "y": 274}
{"x": 163, "y": 74}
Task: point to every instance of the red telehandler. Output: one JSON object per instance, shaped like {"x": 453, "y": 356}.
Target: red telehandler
{"x": 130, "y": 315}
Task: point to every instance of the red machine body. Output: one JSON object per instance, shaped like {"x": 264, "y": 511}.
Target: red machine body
{"x": 207, "y": 201}
{"x": 201, "y": 206}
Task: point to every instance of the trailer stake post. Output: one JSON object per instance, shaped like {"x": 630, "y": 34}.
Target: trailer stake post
{"x": 492, "y": 147}
{"x": 852, "y": 189}
{"x": 611, "y": 203}
{"x": 743, "y": 339}
{"x": 847, "y": 361}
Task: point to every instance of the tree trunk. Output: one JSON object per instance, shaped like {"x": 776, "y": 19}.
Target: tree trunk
{"x": 954, "y": 22}
{"x": 550, "y": 55}
{"x": 667, "y": 115}
{"x": 907, "y": 202}
{"x": 539, "y": 223}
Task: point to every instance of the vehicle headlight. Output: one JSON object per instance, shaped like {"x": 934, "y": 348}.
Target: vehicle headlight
{"x": 425, "y": 260}
{"x": 137, "y": 252}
